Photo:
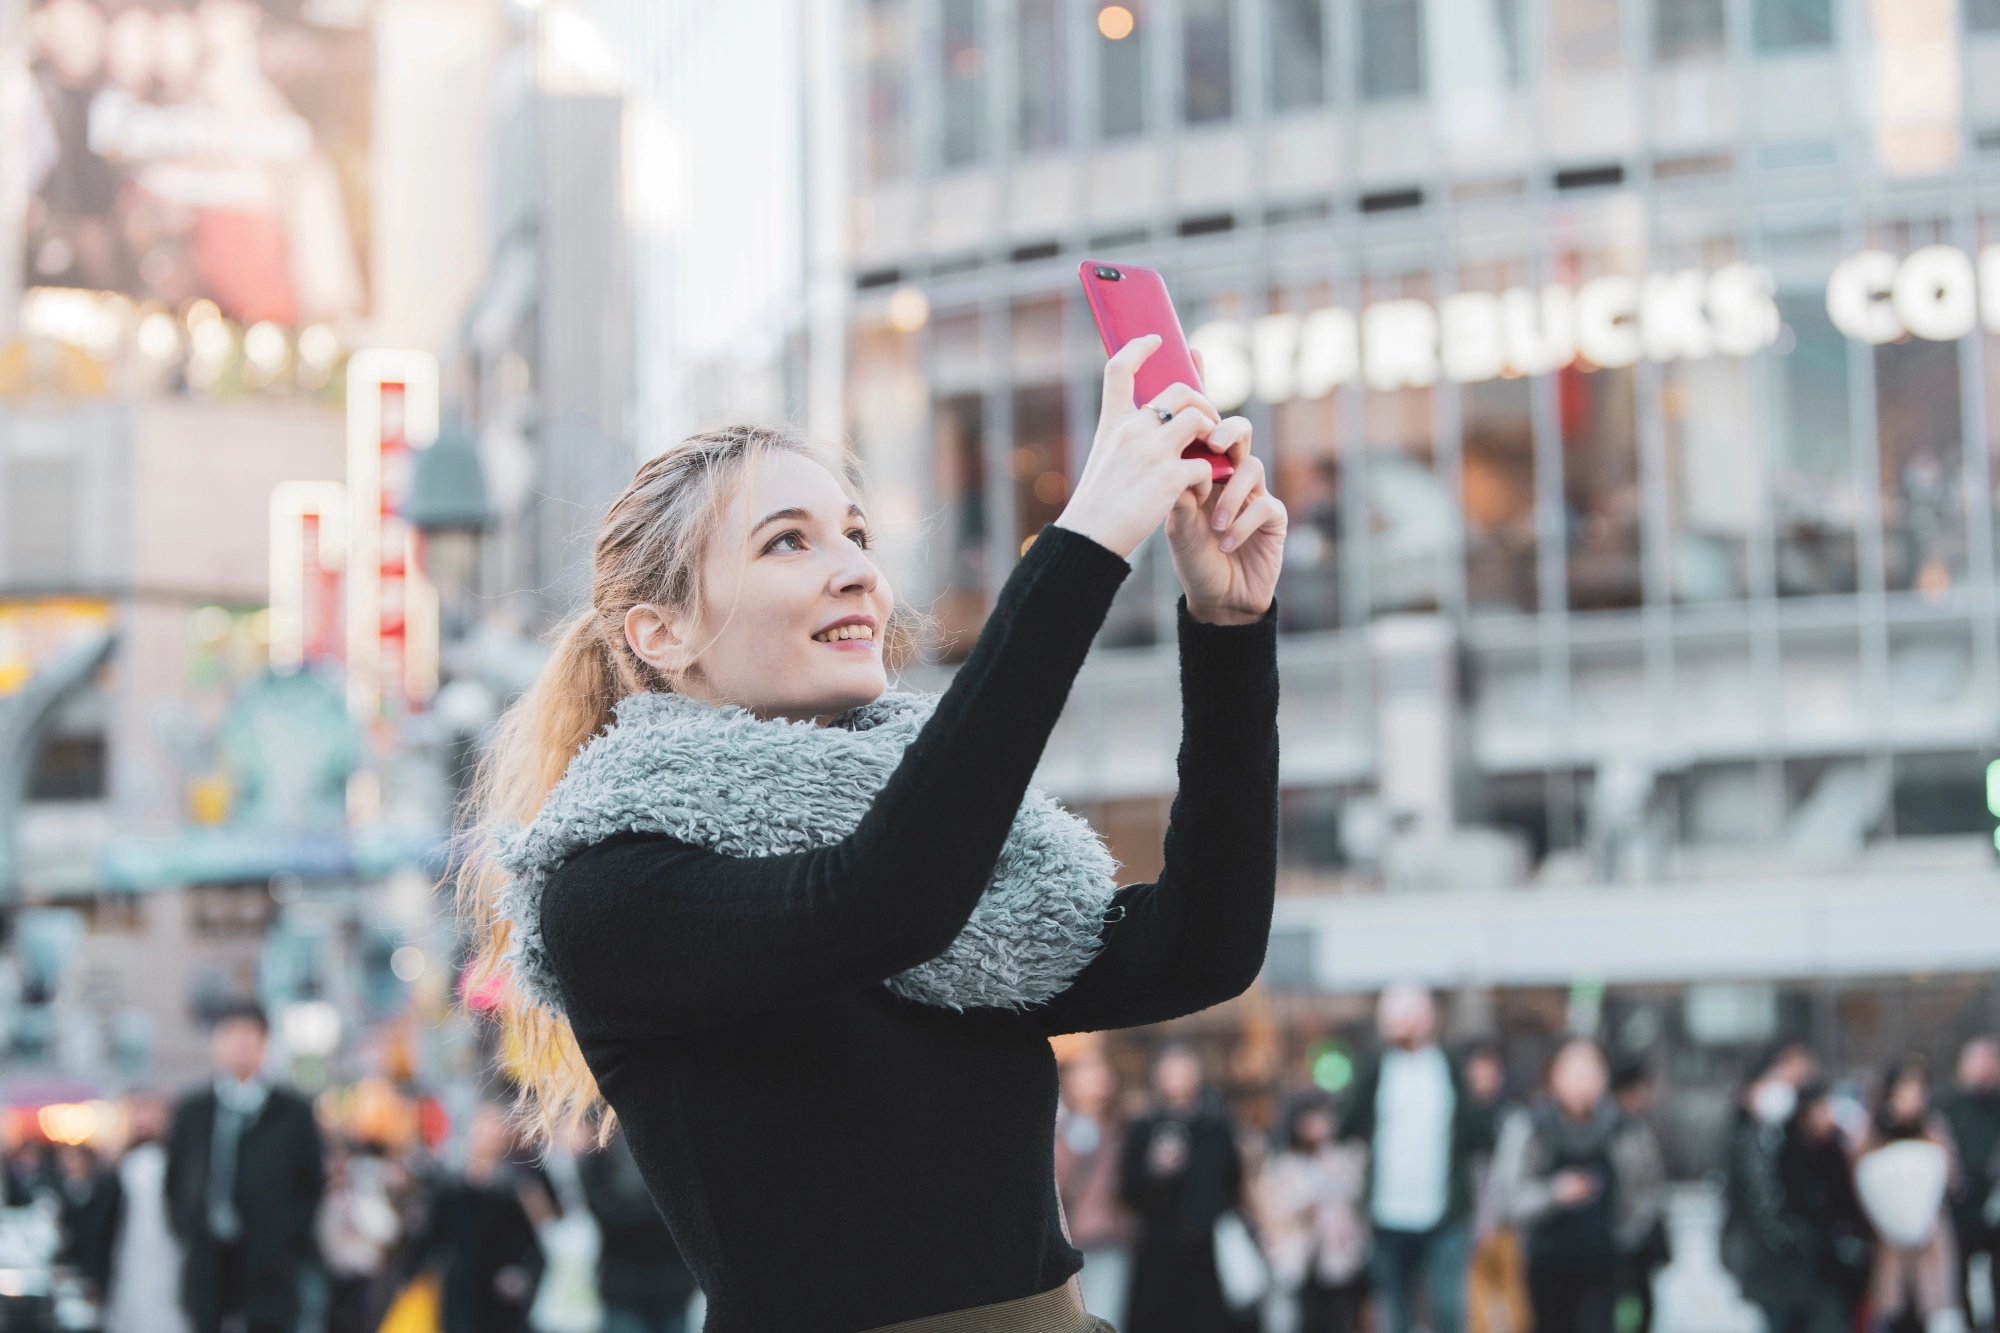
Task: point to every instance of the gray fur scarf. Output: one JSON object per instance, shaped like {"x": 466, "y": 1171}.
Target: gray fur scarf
{"x": 720, "y": 778}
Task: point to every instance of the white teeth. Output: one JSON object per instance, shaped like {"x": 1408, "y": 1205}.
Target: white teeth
{"x": 846, "y": 632}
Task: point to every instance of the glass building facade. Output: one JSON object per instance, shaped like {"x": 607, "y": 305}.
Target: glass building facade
{"x": 1630, "y": 369}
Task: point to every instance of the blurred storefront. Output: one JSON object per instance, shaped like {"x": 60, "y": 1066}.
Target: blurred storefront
{"x": 1629, "y": 370}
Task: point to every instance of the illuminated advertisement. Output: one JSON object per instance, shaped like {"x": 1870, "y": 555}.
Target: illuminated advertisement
{"x": 37, "y": 630}
{"x": 188, "y": 151}
{"x": 392, "y": 608}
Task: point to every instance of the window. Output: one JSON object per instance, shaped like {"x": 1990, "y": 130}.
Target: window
{"x": 1307, "y": 445}
{"x": 1990, "y": 356}
{"x": 1689, "y": 29}
{"x": 1207, "y": 94}
{"x": 1297, "y": 71}
{"x": 1412, "y": 518}
{"x": 69, "y": 767}
{"x": 1813, "y": 494}
{"x": 1715, "y": 482}
{"x": 41, "y": 519}
{"x": 958, "y": 469}
{"x": 1600, "y": 429}
{"x": 1939, "y": 794}
{"x": 1498, "y": 493}
{"x": 1922, "y": 465}
{"x": 1041, "y": 456}
{"x": 1121, "y": 70}
{"x": 1309, "y": 828}
{"x": 885, "y": 36}
{"x": 1039, "y": 462}
{"x": 1044, "y": 111}
{"x": 1392, "y": 49}
{"x": 1306, "y": 432}
{"x": 962, "y": 84}
{"x": 1585, "y": 34}
{"x": 1792, "y": 25}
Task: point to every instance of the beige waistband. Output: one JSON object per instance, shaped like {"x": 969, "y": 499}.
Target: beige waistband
{"x": 1059, "y": 1310}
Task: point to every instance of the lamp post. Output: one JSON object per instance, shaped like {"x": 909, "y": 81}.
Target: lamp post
{"x": 449, "y": 505}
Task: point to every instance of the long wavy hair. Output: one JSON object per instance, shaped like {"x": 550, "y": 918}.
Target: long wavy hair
{"x": 650, "y": 550}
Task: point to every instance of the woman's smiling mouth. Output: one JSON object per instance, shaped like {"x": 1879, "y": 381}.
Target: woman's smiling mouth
{"x": 856, "y": 630}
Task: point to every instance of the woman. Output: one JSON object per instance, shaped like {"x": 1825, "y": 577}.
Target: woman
{"x": 1314, "y": 1226}
{"x": 1089, "y": 1132}
{"x": 1903, "y": 1176}
{"x": 1587, "y": 1183}
{"x": 1180, "y": 1171}
{"x": 809, "y": 940}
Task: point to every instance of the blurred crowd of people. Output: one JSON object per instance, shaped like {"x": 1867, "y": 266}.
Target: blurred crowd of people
{"x": 233, "y": 1211}
{"x": 1423, "y": 1195}
{"x": 1837, "y": 1205}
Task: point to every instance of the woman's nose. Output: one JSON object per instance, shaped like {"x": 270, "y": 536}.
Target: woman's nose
{"x": 855, "y": 572}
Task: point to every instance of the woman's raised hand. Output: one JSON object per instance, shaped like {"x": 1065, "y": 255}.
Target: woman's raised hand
{"x": 1135, "y": 473}
{"x": 1228, "y": 540}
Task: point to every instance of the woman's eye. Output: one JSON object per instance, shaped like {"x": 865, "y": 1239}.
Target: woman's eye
{"x": 859, "y": 536}
{"x": 786, "y": 541}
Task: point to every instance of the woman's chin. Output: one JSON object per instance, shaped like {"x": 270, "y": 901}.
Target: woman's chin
{"x": 851, "y": 689}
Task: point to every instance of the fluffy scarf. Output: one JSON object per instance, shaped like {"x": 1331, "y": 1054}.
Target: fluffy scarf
{"x": 720, "y": 778}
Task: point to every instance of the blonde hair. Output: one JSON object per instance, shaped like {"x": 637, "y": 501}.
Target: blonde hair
{"x": 650, "y": 550}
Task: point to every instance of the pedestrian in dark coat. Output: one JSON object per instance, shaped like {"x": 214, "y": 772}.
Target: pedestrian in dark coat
{"x": 1817, "y": 1180}
{"x": 640, "y": 1274}
{"x": 1588, "y": 1183}
{"x": 244, "y": 1177}
{"x": 1180, "y": 1171}
{"x": 89, "y": 1215}
{"x": 481, "y": 1238}
{"x": 1972, "y": 1108}
{"x": 1772, "y": 1249}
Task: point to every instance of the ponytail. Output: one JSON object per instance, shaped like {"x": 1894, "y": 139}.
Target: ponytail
{"x": 571, "y": 701}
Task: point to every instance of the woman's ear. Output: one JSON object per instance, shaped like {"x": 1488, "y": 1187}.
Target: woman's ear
{"x": 656, "y": 636}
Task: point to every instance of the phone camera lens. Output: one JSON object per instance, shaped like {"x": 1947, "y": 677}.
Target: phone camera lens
{"x": 1108, "y": 273}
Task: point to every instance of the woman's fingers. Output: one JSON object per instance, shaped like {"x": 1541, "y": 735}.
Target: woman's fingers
{"x": 1185, "y": 428}
{"x": 1232, "y": 437}
{"x": 1197, "y": 476}
{"x": 1266, "y": 511}
{"x": 1245, "y": 485}
{"x": 1121, "y": 370}
{"x": 1178, "y": 397}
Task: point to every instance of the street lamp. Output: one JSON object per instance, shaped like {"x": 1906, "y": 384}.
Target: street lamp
{"x": 448, "y": 503}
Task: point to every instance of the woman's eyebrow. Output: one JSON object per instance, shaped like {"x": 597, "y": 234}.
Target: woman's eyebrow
{"x": 776, "y": 514}
{"x": 794, "y": 512}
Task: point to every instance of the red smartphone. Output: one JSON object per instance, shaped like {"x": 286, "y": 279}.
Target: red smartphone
{"x": 1130, "y": 302}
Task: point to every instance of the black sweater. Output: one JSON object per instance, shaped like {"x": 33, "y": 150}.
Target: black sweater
{"x": 829, "y": 1156}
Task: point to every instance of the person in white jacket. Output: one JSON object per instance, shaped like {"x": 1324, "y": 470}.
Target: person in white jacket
{"x": 145, "y": 1257}
{"x": 1315, "y": 1226}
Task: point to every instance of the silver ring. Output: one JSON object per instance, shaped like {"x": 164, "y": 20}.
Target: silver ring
{"x": 1164, "y": 415}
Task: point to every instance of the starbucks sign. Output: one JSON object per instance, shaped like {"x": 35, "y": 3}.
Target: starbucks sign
{"x": 1472, "y": 336}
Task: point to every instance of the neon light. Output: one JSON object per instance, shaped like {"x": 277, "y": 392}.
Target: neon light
{"x": 392, "y": 409}
{"x": 296, "y": 506}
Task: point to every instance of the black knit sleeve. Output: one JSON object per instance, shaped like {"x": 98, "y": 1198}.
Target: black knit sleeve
{"x": 1197, "y": 936}
{"x": 649, "y": 936}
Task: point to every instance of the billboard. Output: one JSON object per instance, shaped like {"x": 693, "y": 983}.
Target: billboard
{"x": 181, "y": 151}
